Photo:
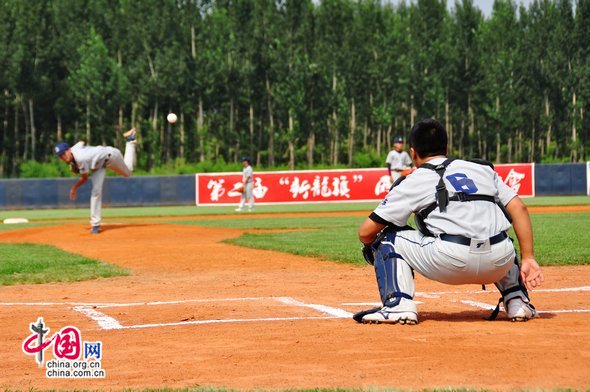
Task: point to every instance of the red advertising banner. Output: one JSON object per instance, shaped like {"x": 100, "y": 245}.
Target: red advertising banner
{"x": 518, "y": 176}
{"x": 326, "y": 186}
{"x": 313, "y": 186}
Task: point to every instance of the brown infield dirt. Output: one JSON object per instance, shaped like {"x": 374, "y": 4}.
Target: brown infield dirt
{"x": 199, "y": 312}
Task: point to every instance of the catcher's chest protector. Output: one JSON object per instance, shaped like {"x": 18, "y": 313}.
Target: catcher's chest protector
{"x": 443, "y": 199}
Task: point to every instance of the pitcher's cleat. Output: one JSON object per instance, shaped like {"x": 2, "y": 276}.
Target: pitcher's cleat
{"x": 518, "y": 310}
{"x": 95, "y": 230}
{"x": 130, "y": 135}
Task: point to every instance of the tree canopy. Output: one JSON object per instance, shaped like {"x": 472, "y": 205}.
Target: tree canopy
{"x": 293, "y": 83}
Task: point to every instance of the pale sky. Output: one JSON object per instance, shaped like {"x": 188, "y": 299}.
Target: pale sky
{"x": 484, "y": 5}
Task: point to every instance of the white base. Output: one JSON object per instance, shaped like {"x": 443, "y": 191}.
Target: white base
{"x": 15, "y": 220}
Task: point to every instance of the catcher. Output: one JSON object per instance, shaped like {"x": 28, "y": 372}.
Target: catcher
{"x": 459, "y": 211}
{"x": 96, "y": 159}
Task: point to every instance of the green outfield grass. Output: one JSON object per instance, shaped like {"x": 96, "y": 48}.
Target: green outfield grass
{"x": 560, "y": 238}
{"x": 557, "y": 201}
{"x": 284, "y": 223}
{"x": 16, "y": 226}
{"x": 134, "y": 212}
{"x": 31, "y": 263}
{"x": 130, "y": 212}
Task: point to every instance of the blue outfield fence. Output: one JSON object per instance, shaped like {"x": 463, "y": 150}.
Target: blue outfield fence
{"x": 17, "y": 194}
{"x": 117, "y": 191}
{"x": 561, "y": 179}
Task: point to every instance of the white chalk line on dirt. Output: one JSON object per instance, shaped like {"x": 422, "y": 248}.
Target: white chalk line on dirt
{"x": 196, "y": 322}
{"x": 114, "y": 305}
{"x": 322, "y": 308}
{"x": 483, "y": 305}
{"x": 153, "y": 303}
{"x": 438, "y": 294}
{"x": 107, "y": 322}
{"x": 104, "y": 321}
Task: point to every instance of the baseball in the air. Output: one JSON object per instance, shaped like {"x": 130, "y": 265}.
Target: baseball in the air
{"x": 171, "y": 118}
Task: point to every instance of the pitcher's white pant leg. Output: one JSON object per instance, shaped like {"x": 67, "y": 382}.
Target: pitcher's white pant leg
{"x": 122, "y": 165}
{"x": 96, "y": 197}
{"x": 242, "y": 201}
{"x": 129, "y": 155}
{"x": 249, "y": 194}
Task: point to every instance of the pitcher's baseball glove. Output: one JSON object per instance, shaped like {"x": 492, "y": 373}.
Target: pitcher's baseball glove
{"x": 74, "y": 168}
{"x": 407, "y": 172}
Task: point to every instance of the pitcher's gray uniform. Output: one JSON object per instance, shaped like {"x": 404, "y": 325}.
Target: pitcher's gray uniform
{"x": 397, "y": 161}
{"x": 85, "y": 159}
{"x": 97, "y": 159}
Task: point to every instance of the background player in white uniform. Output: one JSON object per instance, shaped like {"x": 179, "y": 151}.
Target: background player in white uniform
{"x": 462, "y": 240}
{"x": 247, "y": 180}
{"x": 397, "y": 160}
{"x": 96, "y": 159}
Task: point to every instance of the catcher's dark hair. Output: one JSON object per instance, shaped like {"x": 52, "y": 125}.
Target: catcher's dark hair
{"x": 429, "y": 138}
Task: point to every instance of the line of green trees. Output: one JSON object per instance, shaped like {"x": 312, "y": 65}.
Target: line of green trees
{"x": 293, "y": 83}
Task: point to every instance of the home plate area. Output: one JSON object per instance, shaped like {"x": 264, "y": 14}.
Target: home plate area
{"x": 206, "y": 311}
{"x": 258, "y": 309}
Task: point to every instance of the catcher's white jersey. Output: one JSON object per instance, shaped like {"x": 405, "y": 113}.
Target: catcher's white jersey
{"x": 471, "y": 219}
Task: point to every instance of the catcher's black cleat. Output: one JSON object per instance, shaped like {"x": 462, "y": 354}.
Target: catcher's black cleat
{"x": 403, "y": 313}
{"x": 358, "y": 317}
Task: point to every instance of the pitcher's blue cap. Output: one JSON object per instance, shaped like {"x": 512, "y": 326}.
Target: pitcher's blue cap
{"x": 398, "y": 140}
{"x": 247, "y": 159}
{"x": 60, "y": 148}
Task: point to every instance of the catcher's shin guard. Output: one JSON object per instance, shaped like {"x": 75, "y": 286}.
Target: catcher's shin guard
{"x": 395, "y": 279}
{"x": 513, "y": 289}
{"x": 394, "y": 276}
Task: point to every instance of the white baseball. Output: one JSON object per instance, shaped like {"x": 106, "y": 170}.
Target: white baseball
{"x": 171, "y": 118}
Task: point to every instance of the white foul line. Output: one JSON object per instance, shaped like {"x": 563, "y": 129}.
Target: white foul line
{"x": 491, "y": 307}
{"x": 438, "y": 294}
{"x": 104, "y": 321}
{"x": 322, "y": 308}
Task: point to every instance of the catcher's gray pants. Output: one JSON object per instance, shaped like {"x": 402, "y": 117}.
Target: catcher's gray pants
{"x": 123, "y": 165}
{"x": 451, "y": 263}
